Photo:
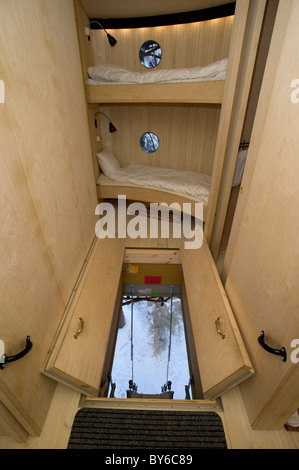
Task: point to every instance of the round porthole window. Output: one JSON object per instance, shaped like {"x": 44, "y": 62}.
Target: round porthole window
{"x": 150, "y": 54}
{"x": 149, "y": 142}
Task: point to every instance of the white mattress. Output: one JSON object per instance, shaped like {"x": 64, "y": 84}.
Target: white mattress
{"x": 103, "y": 180}
{"x": 195, "y": 185}
{"x": 106, "y": 74}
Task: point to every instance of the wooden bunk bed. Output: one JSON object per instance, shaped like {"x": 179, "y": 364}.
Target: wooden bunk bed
{"x": 112, "y": 85}
{"x": 145, "y": 183}
{"x": 194, "y": 92}
{"x": 217, "y": 93}
{"x": 112, "y": 189}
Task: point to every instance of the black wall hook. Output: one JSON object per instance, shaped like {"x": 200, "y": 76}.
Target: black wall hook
{"x": 21, "y": 354}
{"x": 279, "y": 352}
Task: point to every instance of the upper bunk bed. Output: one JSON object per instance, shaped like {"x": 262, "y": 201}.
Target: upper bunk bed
{"x": 199, "y": 85}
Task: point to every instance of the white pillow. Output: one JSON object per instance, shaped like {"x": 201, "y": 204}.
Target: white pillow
{"x": 108, "y": 163}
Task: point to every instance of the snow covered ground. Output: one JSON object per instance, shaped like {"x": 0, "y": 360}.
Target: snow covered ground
{"x": 151, "y": 325}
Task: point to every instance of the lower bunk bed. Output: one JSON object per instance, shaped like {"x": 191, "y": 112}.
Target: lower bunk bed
{"x": 148, "y": 184}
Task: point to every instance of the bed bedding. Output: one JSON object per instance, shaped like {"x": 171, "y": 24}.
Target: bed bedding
{"x": 106, "y": 74}
{"x": 190, "y": 183}
{"x": 105, "y": 182}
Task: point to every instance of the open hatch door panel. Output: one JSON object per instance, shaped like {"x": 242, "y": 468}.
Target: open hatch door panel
{"x": 77, "y": 355}
{"x": 79, "y": 350}
{"x": 222, "y": 358}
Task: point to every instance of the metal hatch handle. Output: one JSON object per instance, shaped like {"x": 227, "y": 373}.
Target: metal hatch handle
{"x": 279, "y": 352}
{"x": 21, "y": 354}
{"x": 217, "y": 323}
{"x": 80, "y": 328}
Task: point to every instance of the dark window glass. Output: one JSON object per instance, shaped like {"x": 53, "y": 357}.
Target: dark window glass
{"x": 149, "y": 142}
{"x": 150, "y": 54}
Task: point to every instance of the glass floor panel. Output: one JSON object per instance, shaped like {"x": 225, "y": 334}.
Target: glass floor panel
{"x": 151, "y": 368}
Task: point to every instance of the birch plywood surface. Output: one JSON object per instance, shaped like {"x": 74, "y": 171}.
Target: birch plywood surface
{"x": 47, "y": 194}
{"x": 40, "y": 65}
{"x": 81, "y": 360}
{"x": 187, "y": 135}
{"x": 193, "y": 92}
{"x": 183, "y": 45}
{"x": 220, "y": 360}
{"x": 29, "y": 292}
{"x": 262, "y": 275}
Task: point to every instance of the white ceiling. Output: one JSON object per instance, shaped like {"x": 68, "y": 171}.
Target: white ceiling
{"x": 136, "y": 8}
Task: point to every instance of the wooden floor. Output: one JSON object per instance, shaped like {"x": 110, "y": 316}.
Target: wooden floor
{"x": 230, "y": 407}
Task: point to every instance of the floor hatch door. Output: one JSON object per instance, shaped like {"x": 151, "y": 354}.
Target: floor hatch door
{"x": 78, "y": 351}
{"x": 222, "y": 357}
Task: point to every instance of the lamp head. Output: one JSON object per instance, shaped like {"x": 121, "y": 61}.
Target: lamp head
{"x": 111, "y": 127}
{"x": 111, "y": 39}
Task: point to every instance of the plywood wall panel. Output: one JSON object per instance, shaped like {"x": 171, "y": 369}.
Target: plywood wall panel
{"x": 31, "y": 302}
{"x": 40, "y": 65}
{"x": 262, "y": 264}
{"x": 187, "y": 135}
{"x": 47, "y": 191}
{"x": 185, "y": 45}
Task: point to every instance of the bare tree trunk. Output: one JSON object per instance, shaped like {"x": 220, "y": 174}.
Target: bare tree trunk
{"x": 122, "y": 320}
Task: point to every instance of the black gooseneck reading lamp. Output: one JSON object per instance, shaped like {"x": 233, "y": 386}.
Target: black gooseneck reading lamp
{"x": 111, "y": 39}
{"x": 112, "y": 128}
